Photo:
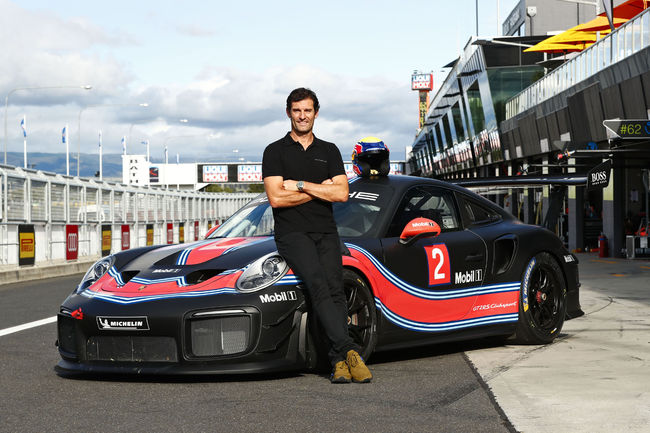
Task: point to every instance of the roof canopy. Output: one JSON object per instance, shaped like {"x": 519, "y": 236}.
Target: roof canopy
{"x": 581, "y": 36}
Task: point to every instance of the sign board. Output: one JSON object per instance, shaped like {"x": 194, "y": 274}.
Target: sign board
{"x": 149, "y": 234}
{"x": 170, "y": 233}
{"x": 196, "y": 230}
{"x": 154, "y": 175}
{"x": 249, "y": 173}
{"x": 423, "y": 107}
{"x": 598, "y": 177}
{"x": 181, "y": 233}
{"x": 422, "y": 82}
{"x": 126, "y": 237}
{"x": 106, "y": 240}
{"x": 26, "y": 244}
{"x": 628, "y": 129}
{"x": 214, "y": 173}
{"x": 71, "y": 242}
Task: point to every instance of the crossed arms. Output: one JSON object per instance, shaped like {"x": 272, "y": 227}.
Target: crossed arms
{"x": 284, "y": 193}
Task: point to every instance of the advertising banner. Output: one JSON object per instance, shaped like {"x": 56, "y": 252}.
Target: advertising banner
{"x": 170, "y": 233}
{"x": 126, "y": 237}
{"x": 424, "y": 106}
{"x": 181, "y": 233}
{"x": 26, "y": 244}
{"x": 149, "y": 234}
{"x": 154, "y": 175}
{"x": 214, "y": 173}
{"x": 196, "y": 230}
{"x": 422, "y": 82}
{"x": 106, "y": 239}
{"x": 249, "y": 173}
{"x": 71, "y": 242}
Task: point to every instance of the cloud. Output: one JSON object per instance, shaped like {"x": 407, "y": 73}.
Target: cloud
{"x": 194, "y": 30}
{"x": 240, "y": 109}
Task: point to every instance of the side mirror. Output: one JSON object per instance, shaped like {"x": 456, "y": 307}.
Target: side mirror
{"x": 418, "y": 228}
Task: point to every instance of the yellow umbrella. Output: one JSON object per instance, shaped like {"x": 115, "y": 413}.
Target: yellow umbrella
{"x": 547, "y": 46}
{"x": 599, "y": 24}
{"x": 572, "y": 36}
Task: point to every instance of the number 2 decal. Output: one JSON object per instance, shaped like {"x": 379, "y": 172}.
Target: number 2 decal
{"x": 438, "y": 261}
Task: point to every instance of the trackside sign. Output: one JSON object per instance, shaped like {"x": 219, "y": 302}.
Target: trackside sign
{"x": 598, "y": 177}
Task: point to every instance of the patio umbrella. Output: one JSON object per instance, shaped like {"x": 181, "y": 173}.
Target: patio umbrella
{"x": 547, "y": 46}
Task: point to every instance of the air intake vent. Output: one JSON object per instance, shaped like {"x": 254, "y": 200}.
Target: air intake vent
{"x": 131, "y": 348}
{"x": 201, "y": 275}
{"x": 127, "y": 275}
{"x": 218, "y": 336}
{"x": 66, "y": 332}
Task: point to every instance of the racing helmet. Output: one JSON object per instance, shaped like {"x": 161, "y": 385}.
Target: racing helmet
{"x": 370, "y": 157}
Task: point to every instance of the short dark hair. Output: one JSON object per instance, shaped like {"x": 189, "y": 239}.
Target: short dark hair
{"x": 302, "y": 93}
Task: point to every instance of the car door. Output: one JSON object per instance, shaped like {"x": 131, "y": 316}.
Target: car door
{"x": 431, "y": 281}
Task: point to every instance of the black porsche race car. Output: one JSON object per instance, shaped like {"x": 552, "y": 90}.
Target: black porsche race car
{"x": 424, "y": 261}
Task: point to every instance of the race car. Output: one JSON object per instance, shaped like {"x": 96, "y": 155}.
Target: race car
{"x": 425, "y": 261}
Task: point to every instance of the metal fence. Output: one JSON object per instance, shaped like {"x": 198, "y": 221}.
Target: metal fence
{"x": 47, "y": 205}
{"x": 631, "y": 37}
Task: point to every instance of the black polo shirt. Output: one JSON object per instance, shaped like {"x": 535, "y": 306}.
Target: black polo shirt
{"x": 287, "y": 158}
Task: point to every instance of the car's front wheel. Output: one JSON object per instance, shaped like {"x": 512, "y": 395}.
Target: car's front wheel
{"x": 362, "y": 315}
{"x": 362, "y": 322}
{"x": 542, "y": 301}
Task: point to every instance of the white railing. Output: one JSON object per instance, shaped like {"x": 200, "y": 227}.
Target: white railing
{"x": 50, "y": 202}
{"x": 631, "y": 37}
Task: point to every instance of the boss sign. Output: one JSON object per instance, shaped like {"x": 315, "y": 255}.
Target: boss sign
{"x": 71, "y": 242}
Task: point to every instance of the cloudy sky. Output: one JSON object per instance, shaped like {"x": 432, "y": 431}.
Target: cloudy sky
{"x": 226, "y": 67}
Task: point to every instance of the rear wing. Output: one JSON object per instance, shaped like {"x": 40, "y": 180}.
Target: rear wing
{"x": 597, "y": 177}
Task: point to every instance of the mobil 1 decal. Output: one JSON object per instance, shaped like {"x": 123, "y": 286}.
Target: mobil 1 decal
{"x": 438, "y": 262}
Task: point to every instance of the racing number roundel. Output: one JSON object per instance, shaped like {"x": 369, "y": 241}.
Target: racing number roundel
{"x": 438, "y": 262}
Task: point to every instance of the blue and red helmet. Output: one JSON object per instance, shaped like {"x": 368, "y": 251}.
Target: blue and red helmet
{"x": 370, "y": 157}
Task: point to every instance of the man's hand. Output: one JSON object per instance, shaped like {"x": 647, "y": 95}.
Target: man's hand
{"x": 290, "y": 185}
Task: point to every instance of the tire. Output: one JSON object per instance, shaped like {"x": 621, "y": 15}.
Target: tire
{"x": 542, "y": 301}
{"x": 362, "y": 322}
{"x": 362, "y": 315}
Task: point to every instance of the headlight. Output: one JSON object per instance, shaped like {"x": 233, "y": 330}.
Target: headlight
{"x": 95, "y": 272}
{"x": 262, "y": 273}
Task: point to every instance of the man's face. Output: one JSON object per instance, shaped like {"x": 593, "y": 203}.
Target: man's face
{"x": 302, "y": 115}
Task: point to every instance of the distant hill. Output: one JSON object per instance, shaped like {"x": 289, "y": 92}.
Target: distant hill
{"x": 111, "y": 163}
{"x": 55, "y": 163}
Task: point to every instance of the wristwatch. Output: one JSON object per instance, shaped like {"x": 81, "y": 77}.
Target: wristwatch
{"x": 300, "y": 185}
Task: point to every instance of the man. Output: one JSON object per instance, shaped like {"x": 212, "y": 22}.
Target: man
{"x": 303, "y": 175}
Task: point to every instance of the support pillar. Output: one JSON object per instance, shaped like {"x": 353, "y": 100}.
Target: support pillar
{"x": 613, "y": 210}
{"x": 576, "y": 217}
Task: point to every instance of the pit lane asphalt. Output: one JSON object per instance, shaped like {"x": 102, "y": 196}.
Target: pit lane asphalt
{"x": 431, "y": 389}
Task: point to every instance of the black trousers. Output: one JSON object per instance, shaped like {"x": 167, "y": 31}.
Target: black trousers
{"x": 316, "y": 259}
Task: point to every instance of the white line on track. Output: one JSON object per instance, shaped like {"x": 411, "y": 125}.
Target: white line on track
{"x": 24, "y": 326}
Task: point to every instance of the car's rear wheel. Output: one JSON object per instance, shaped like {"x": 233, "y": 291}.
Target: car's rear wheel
{"x": 542, "y": 301}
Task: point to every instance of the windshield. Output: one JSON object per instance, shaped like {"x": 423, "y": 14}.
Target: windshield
{"x": 356, "y": 217}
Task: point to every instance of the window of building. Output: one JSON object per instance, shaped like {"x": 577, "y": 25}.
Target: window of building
{"x": 458, "y": 122}
{"x": 447, "y": 129}
{"x": 476, "y": 108}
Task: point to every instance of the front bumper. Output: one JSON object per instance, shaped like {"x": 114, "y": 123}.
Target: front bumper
{"x": 264, "y": 331}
